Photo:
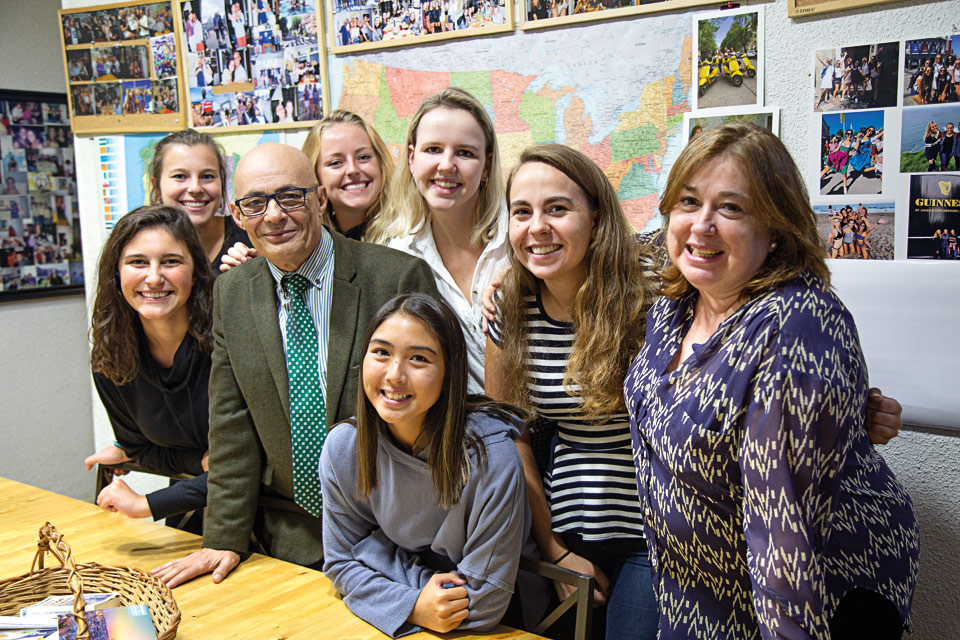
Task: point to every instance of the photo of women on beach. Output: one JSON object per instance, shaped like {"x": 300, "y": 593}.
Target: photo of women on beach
{"x": 851, "y": 153}
{"x": 857, "y": 230}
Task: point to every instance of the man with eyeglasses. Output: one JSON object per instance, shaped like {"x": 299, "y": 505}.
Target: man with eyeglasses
{"x": 288, "y": 333}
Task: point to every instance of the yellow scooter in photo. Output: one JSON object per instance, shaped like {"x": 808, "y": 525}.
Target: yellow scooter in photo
{"x": 747, "y": 66}
{"x": 732, "y": 70}
{"x": 708, "y": 75}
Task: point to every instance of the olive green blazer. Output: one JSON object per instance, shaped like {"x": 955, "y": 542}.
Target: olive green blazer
{"x": 250, "y": 441}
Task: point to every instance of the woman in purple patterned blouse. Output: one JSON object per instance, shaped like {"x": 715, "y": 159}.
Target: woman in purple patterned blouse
{"x": 769, "y": 513}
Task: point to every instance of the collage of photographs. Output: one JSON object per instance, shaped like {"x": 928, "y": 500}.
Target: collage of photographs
{"x": 121, "y": 61}
{"x": 252, "y": 62}
{"x": 538, "y": 10}
{"x": 39, "y": 220}
{"x": 859, "y": 93}
{"x": 361, "y": 22}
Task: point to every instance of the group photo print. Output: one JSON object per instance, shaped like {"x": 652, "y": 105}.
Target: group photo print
{"x": 857, "y": 230}
{"x": 860, "y": 77}
{"x": 934, "y": 217}
{"x": 928, "y": 139}
{"x": 931, "y": 71}
{"x": 851, "y": 152}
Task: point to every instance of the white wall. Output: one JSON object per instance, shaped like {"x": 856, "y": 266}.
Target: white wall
{"x": 926, "y": 461}
{"x": 45, "y": 413}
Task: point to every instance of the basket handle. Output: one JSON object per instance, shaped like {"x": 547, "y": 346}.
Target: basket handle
{"x": 51, "y": 541}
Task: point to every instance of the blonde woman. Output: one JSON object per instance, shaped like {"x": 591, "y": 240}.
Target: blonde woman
{"x": 446, "y": 206}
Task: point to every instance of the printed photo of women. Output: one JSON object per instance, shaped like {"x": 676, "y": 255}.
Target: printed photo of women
{"x": 861, "y": 77}
{"x": 857, "y": 230}
{"x": 928, "y": 139}
{"x": 851, "y": 152}
{"x": 931, "y": 71}
{"x": 934, "y": 217}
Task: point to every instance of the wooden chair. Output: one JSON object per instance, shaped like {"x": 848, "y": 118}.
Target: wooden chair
{"x": 105, "y": 477}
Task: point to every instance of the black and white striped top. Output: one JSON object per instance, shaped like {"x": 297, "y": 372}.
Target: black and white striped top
{"x": 591, "y": 483}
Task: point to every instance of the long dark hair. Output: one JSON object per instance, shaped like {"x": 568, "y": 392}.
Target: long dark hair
{"x": 444, "y": 435}
{"x": 115, "y": 328}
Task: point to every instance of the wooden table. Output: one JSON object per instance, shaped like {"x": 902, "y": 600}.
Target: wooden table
{"x": 262, "y": 599}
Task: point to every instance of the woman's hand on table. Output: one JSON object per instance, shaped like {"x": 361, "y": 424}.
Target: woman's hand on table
{"x": 217, "y": 561}
{"x": 237, "y": 255}
{"x": 108, "y": 455}
{"x": 581, "y": 565}
{"x": 118, "y": 496}
{"x": 441, "y": 609}
{"x": 883, "y": 417}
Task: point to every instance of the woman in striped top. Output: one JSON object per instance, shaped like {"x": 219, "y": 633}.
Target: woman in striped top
{"x": 571, "y": 315}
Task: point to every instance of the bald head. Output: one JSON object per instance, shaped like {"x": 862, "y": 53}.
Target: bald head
{"x": 284, "y": 237}
{"x": 273, "y": 159}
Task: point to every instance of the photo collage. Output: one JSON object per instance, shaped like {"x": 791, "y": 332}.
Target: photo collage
{"x": 121, "y": 61}
{"x": 39, "y": 219}
{"x": 908, "y": 90}
{"x": 361, "y": 22}
{"x": 253, "y": 62}
{"x": 540, "y": 10}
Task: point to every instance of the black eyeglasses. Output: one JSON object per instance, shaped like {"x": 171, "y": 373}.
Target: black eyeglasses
{"x": 286, "y": 199}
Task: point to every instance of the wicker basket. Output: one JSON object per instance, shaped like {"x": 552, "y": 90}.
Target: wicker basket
{"x": 133, "y": 585}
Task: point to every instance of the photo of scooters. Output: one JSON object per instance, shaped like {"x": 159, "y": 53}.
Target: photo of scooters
{"x": 728, "y": 59}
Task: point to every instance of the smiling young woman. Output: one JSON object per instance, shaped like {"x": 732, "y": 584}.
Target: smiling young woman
{"x": 188, "y": 171}
{"x": 151, "y": 357}
{"x": 446, "y": 206}
{"x": 419, "y": 445}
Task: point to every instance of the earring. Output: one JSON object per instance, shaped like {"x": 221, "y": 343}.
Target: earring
{"x": 773, "y": 245}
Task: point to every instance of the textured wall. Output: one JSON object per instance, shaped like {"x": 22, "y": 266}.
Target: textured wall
{"x": 927, "y": 463}
{"x": 45, "y": 425}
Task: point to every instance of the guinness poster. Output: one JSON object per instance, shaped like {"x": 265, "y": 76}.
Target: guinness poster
{"x": 934, "y": 216}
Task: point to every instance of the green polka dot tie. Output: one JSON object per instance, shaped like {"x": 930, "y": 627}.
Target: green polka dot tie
{"x": 308, "y": 412}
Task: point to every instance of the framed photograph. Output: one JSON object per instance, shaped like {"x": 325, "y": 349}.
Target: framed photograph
{"x": 40, "y": 248}
{"x": 695, "y": 122}
{"x": 245, "y": 60}
{"x": 856, "y": 77}
{"x": 931, "y": 74}
{"x": 729, "y": 58}
{"x": 538, "y": 14}
{"x": 117, "y": 57}
{"x": 851, "y": 153}
{"x": 359, "y": 26}
{"x": 797, "y": 8}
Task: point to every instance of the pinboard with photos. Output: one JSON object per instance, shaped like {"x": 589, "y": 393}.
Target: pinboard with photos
{"x": 40, "y": 248}
{"x": 253, "y": 64}
{"x": 359, "y": 26}
{"x": 122, "y": 68}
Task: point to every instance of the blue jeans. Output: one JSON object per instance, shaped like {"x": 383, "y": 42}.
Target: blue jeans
{"x": 631, "y": 612}
{"x": 945, "y": 161}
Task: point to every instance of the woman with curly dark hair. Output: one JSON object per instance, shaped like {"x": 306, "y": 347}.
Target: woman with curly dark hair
{"x": 151, "y": 357}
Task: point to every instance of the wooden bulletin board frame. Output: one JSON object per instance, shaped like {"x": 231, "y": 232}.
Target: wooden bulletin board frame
{"x": 527, "y": 22}
{"x": 798, "y": 8}
{"x": 126, "y": 123}
{"x": 506, "y": 11}
{"x": 215, "y": 92}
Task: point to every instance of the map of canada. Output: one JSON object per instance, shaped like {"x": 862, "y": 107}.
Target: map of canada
{"x": 616, "y": 91}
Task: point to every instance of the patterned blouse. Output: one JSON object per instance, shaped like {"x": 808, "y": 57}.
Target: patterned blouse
{"x": 765, "y": 500}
